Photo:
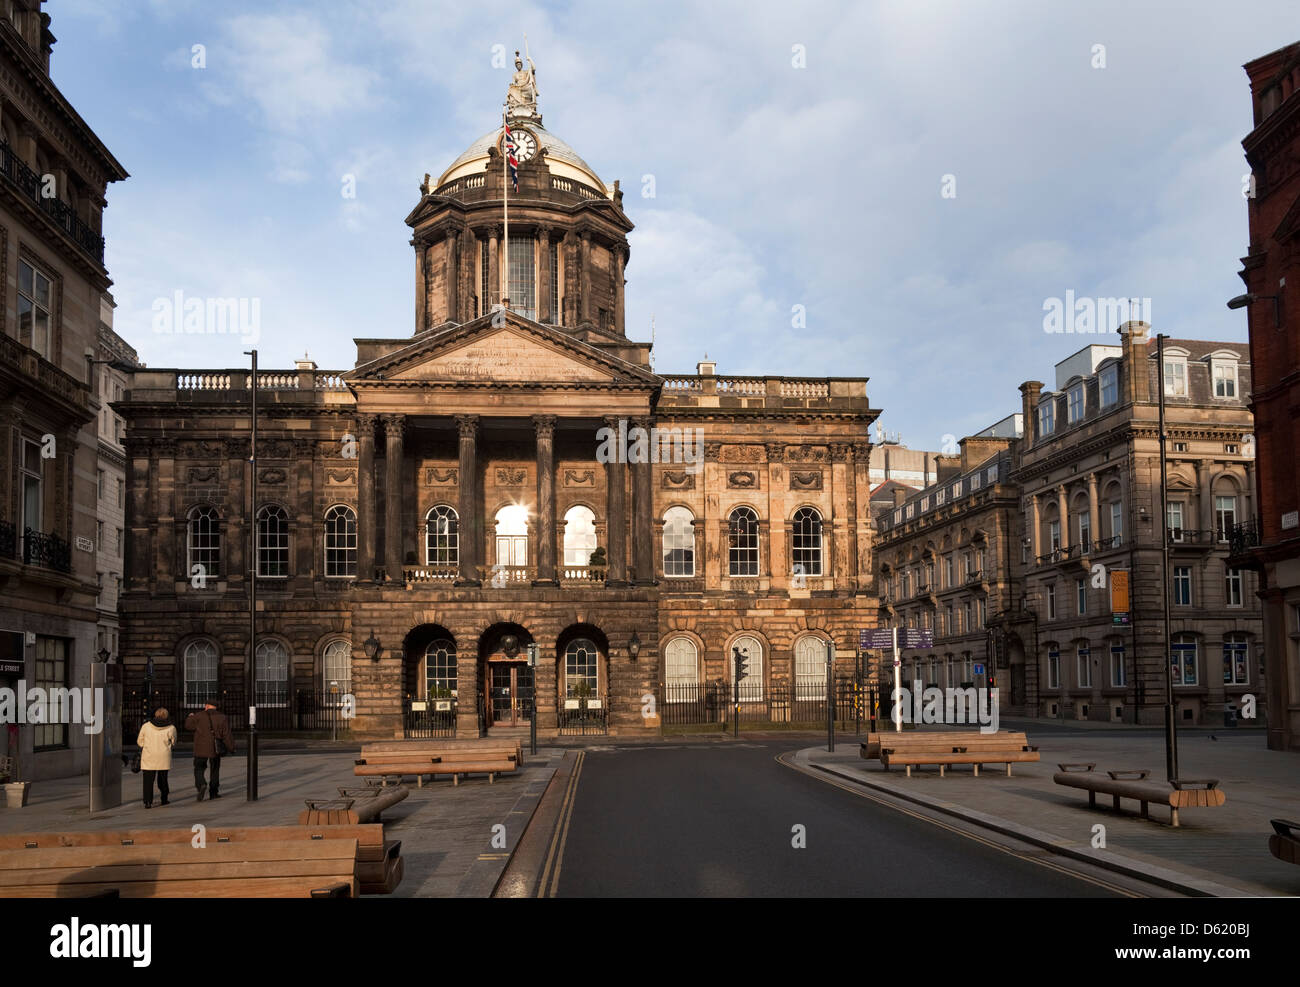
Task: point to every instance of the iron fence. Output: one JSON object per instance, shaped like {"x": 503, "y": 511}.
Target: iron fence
{"x": 713, "y": 702}
{"x": 423, "y": 719}
{"x": 582, "y": 717}
{"x": 287, "y": 711}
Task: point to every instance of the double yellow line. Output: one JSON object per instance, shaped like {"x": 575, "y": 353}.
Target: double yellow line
{"x": 550, "y": 882}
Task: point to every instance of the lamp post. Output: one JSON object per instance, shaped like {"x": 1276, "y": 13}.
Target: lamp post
{"x": 532, "y": 713}
{"x": 251, "y": 678}
{"x": 830, "y": 697}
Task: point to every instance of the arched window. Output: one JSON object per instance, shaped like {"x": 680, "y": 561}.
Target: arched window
{"x": 336, "y": 667}
{"x": 272, "y": 542}
{"x": 442, "y": 536}
{"x": 751, "y": 686}
{"x": 203, "y": 542}
{"x": 810, "y": 668}
{"x": 272, "y": 674}
{"x": 512, "y": 536}
{"x": 581, "y": 668}
{"x": 340, "y": 543}
{"x": 440, "y": 669}
{"x": 806, "y": 545}
{"x": 742, "y": 551}
{"x": 679, "y": 542}
{"x": 579, "y": 536}
{"x": 199, "y": 666}
{"x": 681, "y": 665}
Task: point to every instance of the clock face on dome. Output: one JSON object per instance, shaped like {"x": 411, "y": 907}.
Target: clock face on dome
{"x": 525, "y": 145}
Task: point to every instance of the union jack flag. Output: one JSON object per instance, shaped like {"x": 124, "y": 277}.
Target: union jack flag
{"x": 510, "y": 157}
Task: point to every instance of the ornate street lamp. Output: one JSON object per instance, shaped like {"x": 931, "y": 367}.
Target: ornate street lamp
{"x": 634, "y": 646}
{"x": 372, "y": 646}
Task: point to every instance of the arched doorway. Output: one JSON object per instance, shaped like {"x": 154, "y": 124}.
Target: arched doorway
{"x": 508, "y": 680}
{"x": 582, "y": 680}
{"x": 430, "y": 683}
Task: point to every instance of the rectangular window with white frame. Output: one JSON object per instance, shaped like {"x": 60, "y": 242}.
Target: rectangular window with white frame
{"x": 1233, "y": 595}
{"x": 1046, "y": 416}
{"x": 34, "y": 306}
{"x": 1225, "y": 516}
{"x": 1182, "y": 661}
{"x": 1075, "y": 403}
{"x": 1175, "y": 377}
{"x": 1236, "y": 660}
{"x": 1084, "y": 655}
{"x": 1051, "y": 601}
{"x": 1182, "y": 586}
{"x": 1225, "y": 378}
{"x": 1053, "y": 668}
{"x": 1109, "y": 386}
{"x": 1118, "y": 672}
{"x": 1081, "y": 596}
{"x": 1116, "y": 524}
{"x": 1175, "y": 521}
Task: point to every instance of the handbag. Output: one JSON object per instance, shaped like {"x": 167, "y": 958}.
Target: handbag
{"x": 135, "y": 763}
{"x": 218, "y": 744}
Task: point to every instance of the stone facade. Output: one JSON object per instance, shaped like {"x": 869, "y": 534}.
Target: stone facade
{"x": 54, "y": 173}
{"x": 1271, "y": 547}
{"x": 472, "y": 462}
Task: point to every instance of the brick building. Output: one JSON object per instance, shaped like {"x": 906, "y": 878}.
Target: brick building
{"x": 1270, "y": 544}
{"x": 54, "y": 172}
{"x": 425, "y": 516}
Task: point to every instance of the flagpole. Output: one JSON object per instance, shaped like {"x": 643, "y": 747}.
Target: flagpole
{"x": 505, "y": 205}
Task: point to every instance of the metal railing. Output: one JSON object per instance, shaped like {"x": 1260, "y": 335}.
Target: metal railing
{"x": 424, "y": 719}
{"x": 582, "y": 716}
{"x": 1244, "y": 536}
{"x": 46, "y": 550}
{"x": 280, "y": 711}
{"x": 62, "y": 215}
{"x": 711, "y": 702}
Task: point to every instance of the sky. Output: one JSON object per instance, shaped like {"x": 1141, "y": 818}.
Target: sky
{"x": 889, "y": 190}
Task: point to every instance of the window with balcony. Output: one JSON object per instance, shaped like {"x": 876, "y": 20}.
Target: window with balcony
{"x": 1174, "y": 522}
{"x": 442, "y": 536}
{"x": 512, "y": 537}
{"x": 1116, "y": 523}
{"x": 1225, "y": 516}
{"x": 579, "y": 535}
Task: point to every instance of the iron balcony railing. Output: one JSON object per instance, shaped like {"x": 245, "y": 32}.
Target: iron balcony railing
{"x": 1244, "y": 536}
{"x": 46, "y": 550}
{"x": 30, "y": 184}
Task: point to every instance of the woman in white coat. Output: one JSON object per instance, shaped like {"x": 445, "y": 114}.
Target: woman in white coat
{"x": 156, "y": 740}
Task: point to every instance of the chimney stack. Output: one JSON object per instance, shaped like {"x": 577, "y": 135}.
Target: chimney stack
{"x": 1137, "y": 383}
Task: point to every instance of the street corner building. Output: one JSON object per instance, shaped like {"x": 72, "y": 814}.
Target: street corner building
{"x": 512, "y": 473}
{"x": 60, "y": 506}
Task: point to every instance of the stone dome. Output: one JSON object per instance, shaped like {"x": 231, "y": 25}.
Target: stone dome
{"x": 563, "y": 160}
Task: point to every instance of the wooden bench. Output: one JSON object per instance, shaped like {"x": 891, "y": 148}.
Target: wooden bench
{"x": 358, "y": 806}
{"x": 946, "y": 758}
{"x": 439, "y": 746}
{"x": 297, "y": 868}
{"x": 1285, "y": 841}
{"x": 1182, "y": 793}
{"x": 387, "y": 770}
{"x": 898, "y": 740}
{"x": 379, "y": 867}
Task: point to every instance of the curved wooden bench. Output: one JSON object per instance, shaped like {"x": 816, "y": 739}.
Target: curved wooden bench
{"x": 1182, "y": 793}
{"x": 1285, "y": 841}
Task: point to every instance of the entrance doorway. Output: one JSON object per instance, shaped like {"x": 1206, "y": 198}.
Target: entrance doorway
{"x": 510, "y": 693}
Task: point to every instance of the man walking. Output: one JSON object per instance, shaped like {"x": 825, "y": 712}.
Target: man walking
{"x": 212, "y": 741}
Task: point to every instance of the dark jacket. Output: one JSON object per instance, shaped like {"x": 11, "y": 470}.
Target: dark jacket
{"x": 208, "y": 724}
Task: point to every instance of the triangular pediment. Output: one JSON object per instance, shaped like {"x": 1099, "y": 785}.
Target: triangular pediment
{"x": 513, "y": 350}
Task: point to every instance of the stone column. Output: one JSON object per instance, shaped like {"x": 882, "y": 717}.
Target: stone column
{"x": 545, "y": 303}
{"x": 1094, "y": 512}
{"x": 1248, "y": 498}
{"x": 615, "y": 511}
{"x": 544, "y": 426}
{"x": 643, "y": 511}
{"x": 1035, "y": 534}
{"x": 1063, "y": 512}
{"x": 585, "y": 275}
{"x": 1205, "y": 493}
{"x": 467, "y": 506}
{"x": 137, "y": 561}
{"x": 620, "y": 254}
{"x": 494, "y": 271}
{"x": 366, "y": 522}
{"x": 426, "y": 273}
{"x": 452, "y": 256}
{"x": 394, "y": 427}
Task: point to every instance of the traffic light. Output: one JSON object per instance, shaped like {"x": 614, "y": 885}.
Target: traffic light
{"x": 742, "y": 661}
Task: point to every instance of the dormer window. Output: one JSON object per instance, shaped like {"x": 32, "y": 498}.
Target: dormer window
{"x": 1175, "y": 376}
{"x": 1075, "y": 396}
{"x": 1046, "y": 417}
{"x": 1224, "y": 375}
{"x": 1109, "y": 381}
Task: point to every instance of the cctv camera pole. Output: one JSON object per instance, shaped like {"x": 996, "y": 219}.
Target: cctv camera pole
{"x": 251, "y": 678}
{"x": 1171, "y": 726}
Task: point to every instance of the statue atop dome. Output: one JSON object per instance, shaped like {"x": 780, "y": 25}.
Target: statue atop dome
{"x": 521, "y": 97}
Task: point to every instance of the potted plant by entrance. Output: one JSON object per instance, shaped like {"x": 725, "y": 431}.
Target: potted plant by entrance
{"x": 596, "y": 564}
{"x": 15, "y": 791}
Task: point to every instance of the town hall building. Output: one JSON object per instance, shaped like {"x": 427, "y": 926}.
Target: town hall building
{"x": 510, "y": 474}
